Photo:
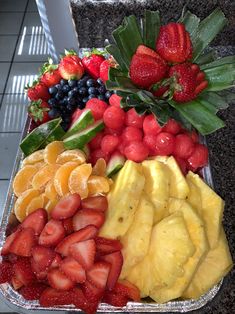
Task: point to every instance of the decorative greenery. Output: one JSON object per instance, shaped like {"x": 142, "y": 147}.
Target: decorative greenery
{"x": 220, "y": 73}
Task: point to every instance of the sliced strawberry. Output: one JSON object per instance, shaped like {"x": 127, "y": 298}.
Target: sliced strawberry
{"x": 127, "y": 289}
{"x": 8, "y": 242}
{"x": 33, "y": 291}
{"x": 92, "y": 64}
{"x": 86, "y": 217}
{"x": 99, "y": 203}
{"x": 79, "y": 300}
{"x": 43, "y": 256}
{"x": 17, "y": 284}
{"x": 98, "y": 274}
{"x": 52, "y": 233}
{"x": 106, "y": 246}
{"x": 144, "y": 50}
{"x": 36, "y": 220}
{"x": 84, "y": 253}
{"x": 91, "y": 292}
{"x": 73, "y": 270}
{"x": 66, "y": 207}
{"x": 68, "y": 225}
{"x": 6, "y": 272}
{"x": 86, "y": 233}
{"x": 56, "y": 261}
{"x": 23, "y": 243}
{"x": 115, "y": 260}
{"x": 58, "y": 280}
{"x": 115, "y": 299}
{"x": 23, "y": 271}
{"x": 51, "y": 297}
{"x": 41, "y": 275}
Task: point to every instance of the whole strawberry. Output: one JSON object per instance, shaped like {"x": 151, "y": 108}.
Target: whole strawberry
{"x": 188, "y": 81}
{"x": 104, "y": 68}
{"x": 50, "y": 74}
{"x": 38, "y": 111}
{"x": 173, "y": 43}
{"x": 146, "y": 69}
{"x": 70, "y": 66}
{"x": 37, "y": 91}
{"x": 92, "y": 63}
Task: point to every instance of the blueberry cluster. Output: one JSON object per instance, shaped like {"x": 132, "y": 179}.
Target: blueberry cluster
{"x": 69, "y": 95}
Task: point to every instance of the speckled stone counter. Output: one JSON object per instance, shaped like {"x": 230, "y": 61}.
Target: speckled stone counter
{"x": 95, "y": 21}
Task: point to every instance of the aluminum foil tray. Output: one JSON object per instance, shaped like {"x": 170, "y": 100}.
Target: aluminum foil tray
{"x": 20, "y": 305}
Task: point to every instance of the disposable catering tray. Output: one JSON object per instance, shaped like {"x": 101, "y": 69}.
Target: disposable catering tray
{"x": 17, "y": 303}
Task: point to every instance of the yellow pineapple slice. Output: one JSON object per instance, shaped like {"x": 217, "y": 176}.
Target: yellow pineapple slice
{"x": 50, "y": 191}
{"x": 22, "y": 180}
{"x": 98, "y": 185}
{"x": 78, "y": 180}
{"x": 52, "y": 151}
{"x": 99, "y": 168}
{"x": 178, "y": 185}
{"x": 212, "y": 209}
{"x": 76, "y": 155}
{"x": 194, "y": 197}
{"x": 35, "y": 203}
{"x": 23, "y": 201}
{"x": 136, "y": 241}
{"x": 213, "y": 268}
{"x": 34, "y": 157}
{"x": 157, "y": 186}
{"x": 44, "y": 175}
{"x": 123, "y": 200}
{"x": 195, "y": 227}
{"x": 61, "y": 178}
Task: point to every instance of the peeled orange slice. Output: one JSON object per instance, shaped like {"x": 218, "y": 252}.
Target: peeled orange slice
{"x": 50, "y": 191}
{"x": 22, "y": 180}
{"x": 23, "y": 201}
{"x": 71, "y": 155}
{"x": 62, "y": 177}
{"x": 34, "y": 157}
{"x": 44, "y": 175}
{"x": 78, "y": 180}
{"x": 52, "y": 151}
{"x": 98, "y": 185}
{"x": 35, "y": 203}
{"x": 99, "y": 168}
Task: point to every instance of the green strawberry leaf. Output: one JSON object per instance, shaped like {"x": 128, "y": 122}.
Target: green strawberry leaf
{"x": 114, "y": 51}
{"x": 191, "y": 22}
{"x": 151, "y": 27}
{"x": 220, "y": 77}
{"x": 218, "y": 62}
{"x": 213, "y": 102}
{"x": 206, "y": 58}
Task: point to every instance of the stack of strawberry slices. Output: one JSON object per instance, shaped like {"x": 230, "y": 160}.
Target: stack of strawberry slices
{"x": 63, "y": 261}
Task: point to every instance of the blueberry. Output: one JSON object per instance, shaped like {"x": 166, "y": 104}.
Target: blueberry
{"x": 99, "y": 81}
{"x": 63, "y": 82}
{"x": 66, "y": 88}
{"x": 52, "y": 102}
{"x": 91, "y": 96}
{"x": 108, "y": 94}
{"x": 81, "y": 105}
{"x": 53, "y": 90}
{"x": 85, "y": 100}
{"x": 65, "y": 100}
{"x": 72, "y": 83}
{"x": 58, "y": 86}
{"x": 102, "y": 89}
{"x": 92, "y": 90}
{"x": 90, "y": 83}
{"x": 82, "y": 91}
{"x": 71, "y": 101}
{"x": 76, "y": 89}
{"x": 59, "y": 95}
{"x": 53, "y": 113}
{"x": 101, "y": 97}
{"x": 72, "y": 93}
{"x": 81, "y": 83}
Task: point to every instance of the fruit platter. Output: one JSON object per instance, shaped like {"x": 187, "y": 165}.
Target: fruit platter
{"x": 111, "y": 206}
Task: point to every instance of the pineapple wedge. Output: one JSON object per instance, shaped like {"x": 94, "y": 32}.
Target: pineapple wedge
{"x": 123, "y": 200}
{"x": 136, "y": 241}
{"x": 157, "y": 181}
{"x": 178, "y": 185}
{"x": 214, "y": 267}
{"x": 212, "y": 209}
{"x": 197, "y": 233}
{"x": 194, "y": 197}
{"x": 170, "y": 248}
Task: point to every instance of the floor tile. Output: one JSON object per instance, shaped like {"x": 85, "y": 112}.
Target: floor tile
{"x": 9, "y": 143}
{"x": 7, "y": 47}
{"x": 13, "y": 112}
{"x": 3, "y": 194}
{"x": 10, "y": 23}
{"x": 13, "y": 5}
{"x": 21, "y": 74}
{"x": 4, "y": 68}
{"x": 32, "y": 6}
{"x": 32, "y": 48}
{"x": 32, "y": 23}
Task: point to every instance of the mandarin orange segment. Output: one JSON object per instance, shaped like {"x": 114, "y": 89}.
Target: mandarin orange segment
{"x": 35, "y": 203}
{"x": 50, "y": 205}
{"x": 40, "y": 164}
{"x": 52, "y": 151}
{"x": 98, "y": 185}
{"x": 44, "y": 175}
{"x": 50, "y": 191}
{"x": 78, "y": 180}
{"x": 22, "y": 180}
{"x": 99, "y": 168}
{"x": 71, "y": 155}
{"x": 62, "y": 177}
{"x": 23, "y": 201}
{"x": 34, "y": 157}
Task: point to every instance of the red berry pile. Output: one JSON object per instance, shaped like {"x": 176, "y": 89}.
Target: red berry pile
{"x": 63, "y": 261}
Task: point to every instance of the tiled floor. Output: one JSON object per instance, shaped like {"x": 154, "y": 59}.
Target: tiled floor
{"x": 22, "y": 50}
